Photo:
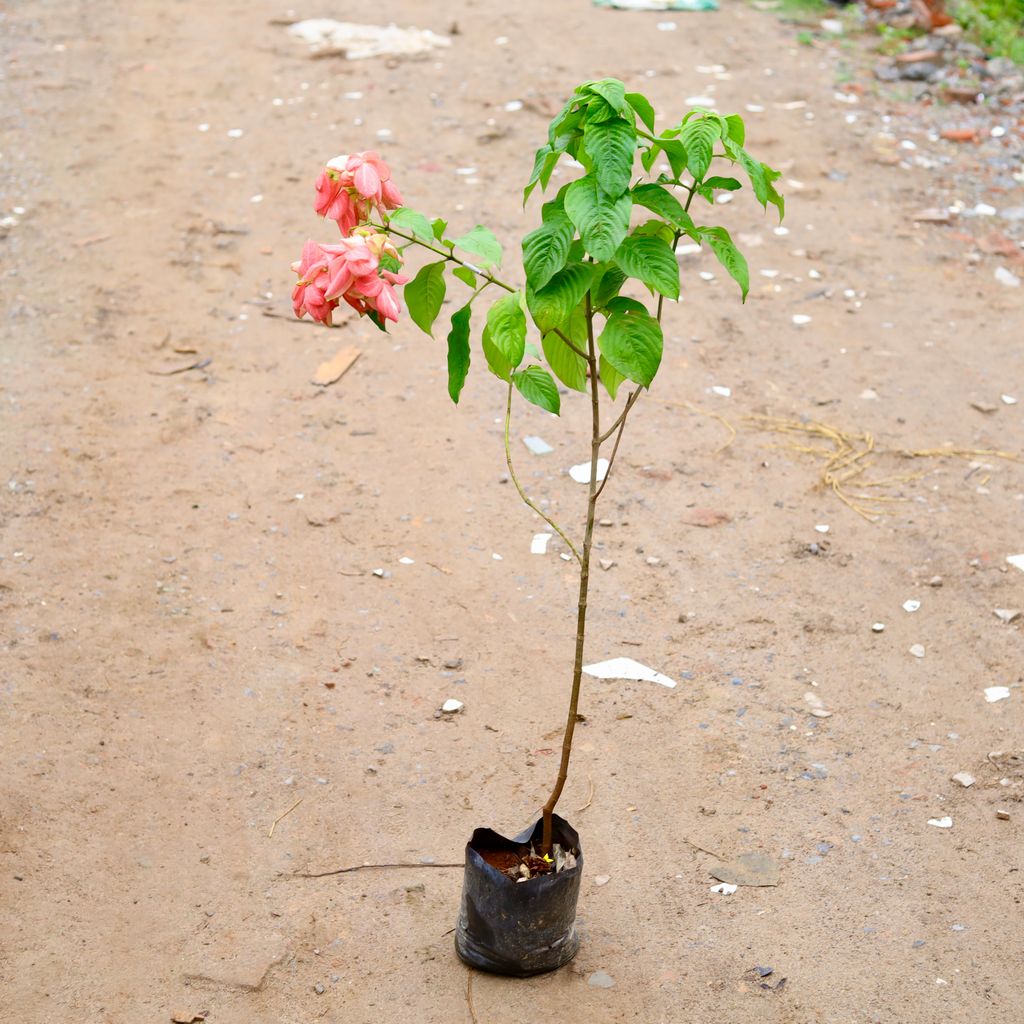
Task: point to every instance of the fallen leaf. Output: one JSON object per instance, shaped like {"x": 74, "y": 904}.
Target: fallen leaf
{"x": 755, "y": 869}
{"x": 960, "y": 134}
{"x": 705, "y": 517}
{"x": 334, "y": 369}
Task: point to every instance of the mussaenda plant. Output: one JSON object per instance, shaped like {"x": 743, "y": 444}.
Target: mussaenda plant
{"x": 610, "y": 227}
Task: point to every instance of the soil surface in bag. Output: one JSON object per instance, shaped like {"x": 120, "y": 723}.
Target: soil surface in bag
{"x": 512, "y": 927}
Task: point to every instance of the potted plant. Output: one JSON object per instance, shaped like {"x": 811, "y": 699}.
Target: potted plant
{"x": 608, "y": 231}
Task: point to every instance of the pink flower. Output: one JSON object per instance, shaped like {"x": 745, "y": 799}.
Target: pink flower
{"x": 349, "y": 188}
{"x": 351, "y": 271}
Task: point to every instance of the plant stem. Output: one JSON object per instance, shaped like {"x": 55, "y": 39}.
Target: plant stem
{"x": 522, "y": 494}
{"x": 489, "y": 278}
{"x": 581, "y": 611}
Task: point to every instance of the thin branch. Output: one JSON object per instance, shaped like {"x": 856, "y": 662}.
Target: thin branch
{"x": 489, "y": 278}
{"x": 615, "y": 447}
{"x": 522, "y": 494}
{"x": 633, "y": 396}
{"x": 570, "y": 343}
{"x": 367, "y": 867}
{"x": 273, "y": 824}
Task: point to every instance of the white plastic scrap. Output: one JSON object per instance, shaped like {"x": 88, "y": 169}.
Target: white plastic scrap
{"x": 537, "y": 445}
{"x": 994, "y": 693}
{"x": 1017, "y": 561}
{"x": 911, "y": 605}
{"x": 627, "y": 668}
{"x": 1007, "y": 277}
{"x": 581, "y": 473}
{"x": 946, "y": 822}
{"x": 539, "y": 544}
{"x": 1006, "y": 615}
{"x": 800, "y": 319}
{"x": 966, "y": 779}
{"x": 1008, "y": 399}
{"x": 721, "y": 390}
{"x": 360, "y": 41}
{"x": 724, "y": 888}
{"x": 452, "y": 706}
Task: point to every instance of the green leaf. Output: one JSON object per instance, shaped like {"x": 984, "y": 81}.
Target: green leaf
{"x": 651, "y": 260}
{"x": 424, "y": 295}
{"x": 536, "y": 386}
{"x": 736, "y": 130}
{"x": 729, "y": 256}
{"x": 466, "y": 276}
{"x": 506, "y": 324}
{"x": 659, "y": 200}
{"x": 378, "y": 321}
{"x": 699, "y": 136}
{"x": 403, "y": 217}
{"x": 388, "y": 262}
{"x": 608, "y": 286}
{"x": 458, "y": 352}
{"x": 546, "y": 249}
{"x": 642, "y": 108}
{"x": 754, "y": 169}
{"x": 496, "y": 361}
{"x": 601, "y": 220}
{"x": 439, "y": 227}
{"x": 677, "y": 156}
{"x": 611, "y": 90}
{"x": 610, "y": 377}
{"x": 545, "y": 159}
{"x": 728, "y": 184}
{"x": 481, "y": 242}
{"x": 568, "y": 367}
{"x": 773, "y": 197}
{"x": 631, "y": 341}
{"x": 612, "y": 145}
{"x": 552, "y": 305}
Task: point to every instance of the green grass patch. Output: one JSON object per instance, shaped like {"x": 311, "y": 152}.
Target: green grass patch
{"x": 997, "y": 25}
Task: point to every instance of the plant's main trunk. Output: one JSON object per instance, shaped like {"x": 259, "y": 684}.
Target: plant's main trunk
{"x": 581, "y": 614}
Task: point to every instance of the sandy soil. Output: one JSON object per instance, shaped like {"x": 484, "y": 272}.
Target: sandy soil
{"x": 193, "y": 640}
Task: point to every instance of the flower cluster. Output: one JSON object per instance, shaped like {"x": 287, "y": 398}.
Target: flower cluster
{"x": 362, "y": 269}
{"x": 355, "y": 270}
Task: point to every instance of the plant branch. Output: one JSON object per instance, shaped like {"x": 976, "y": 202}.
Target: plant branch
{"x": 570, "y": 343}
{"x": 581, "y": 608}
{"x": 633, "y": 396}
{"x": 489, "y": 278}
{"x": 522, "y": 494}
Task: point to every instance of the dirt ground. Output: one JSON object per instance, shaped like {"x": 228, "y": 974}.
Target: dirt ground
{"x": 193, "y": 639}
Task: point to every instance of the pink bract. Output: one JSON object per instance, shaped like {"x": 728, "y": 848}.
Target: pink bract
{"x": 349, "y": 188}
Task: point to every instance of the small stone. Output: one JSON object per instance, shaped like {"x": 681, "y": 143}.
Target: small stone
{"x": 917, "y": 650}
{"x": 911, "y": 605}
{"x": 1002, "y": 815}
{"x": 599, "y": 979}
{"x": 319, "y": 989}
{"x": 800, "y": 319}
{"x": 946, "y": 822}
{"x": 764, "y": 972}
{"x": 823, "y": 527}
{"x": 1006, "y": 615}
{"x": 452, "y": 706}
{"x": 996, "y": 693}
{"x": 966, "y": 779}
{"x": 877, "y": 627}
{"x": 1006, "y": 277}
{"x": 651, "y": 560}
{"x": 606, "y": 563}
{"x": 935, "y": 581}
{"x": 601, "y": 879}
{"x": 453, "y": 663}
